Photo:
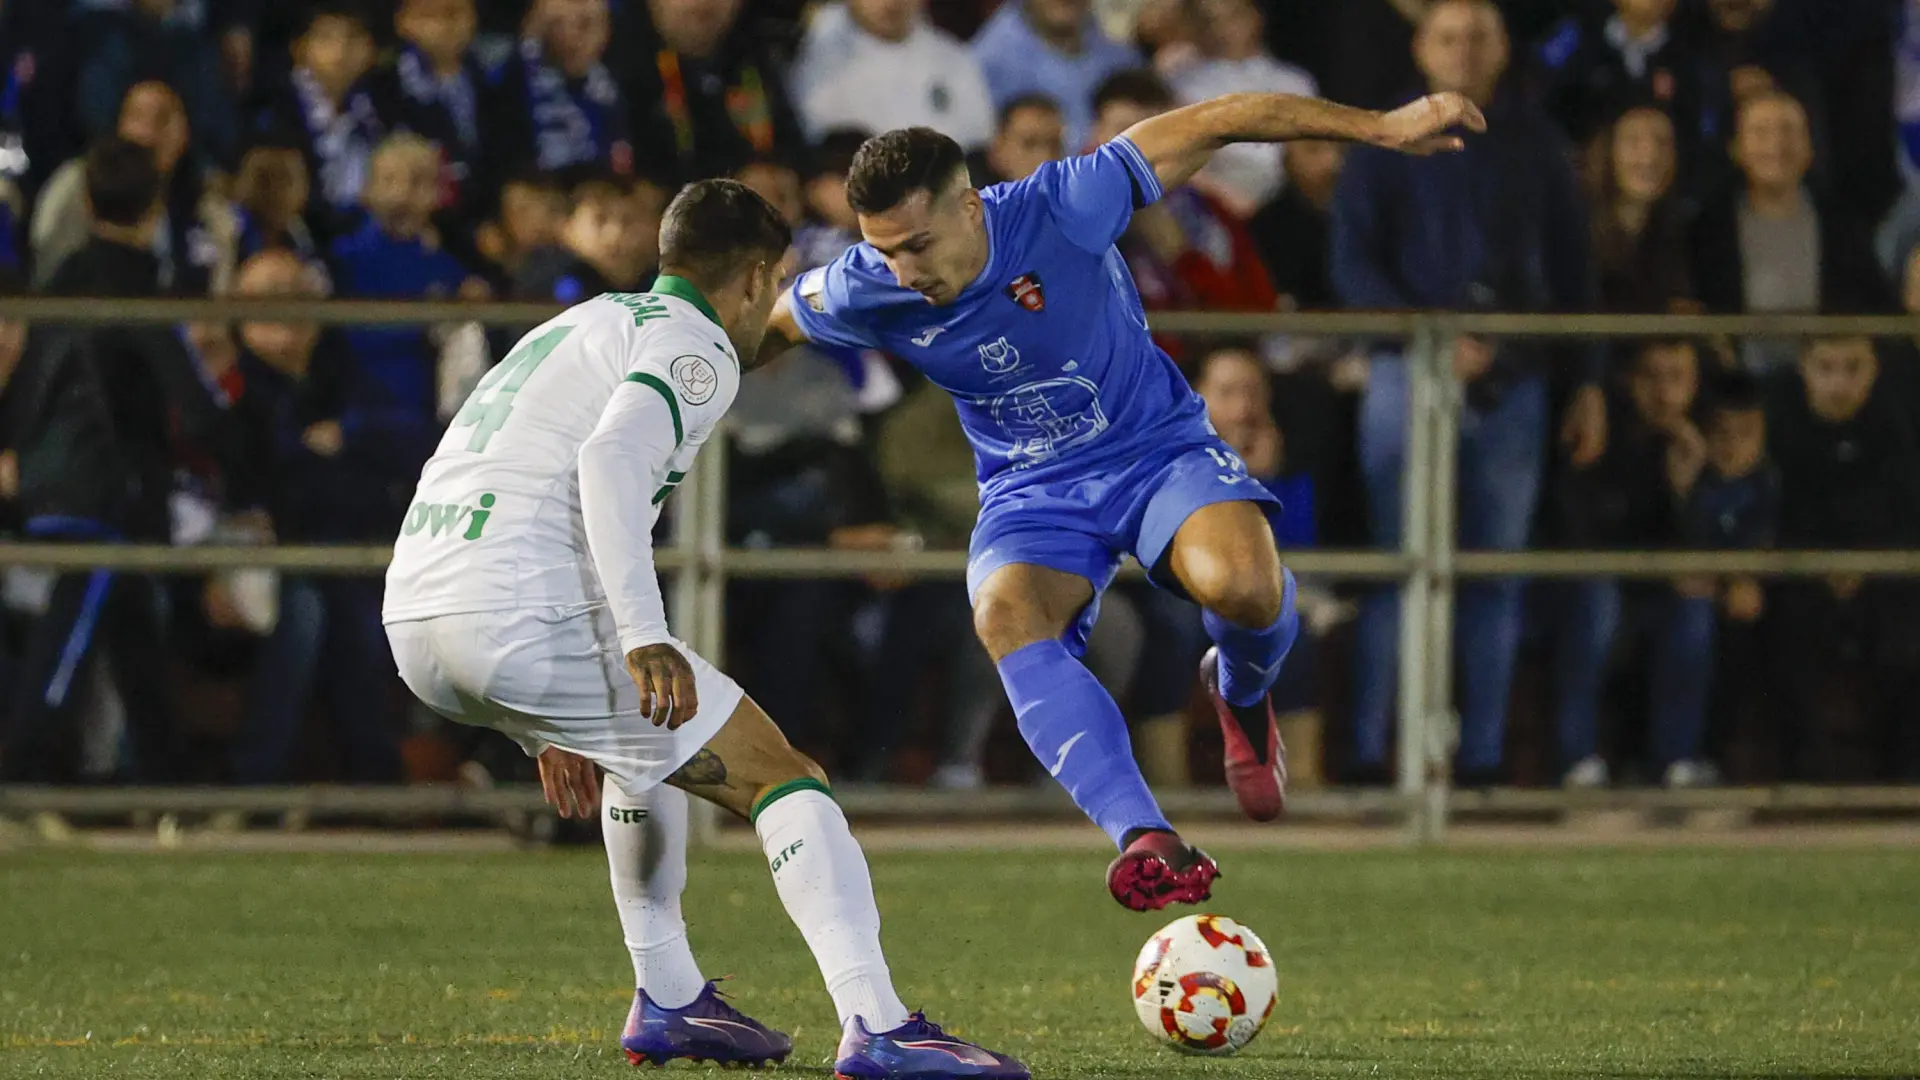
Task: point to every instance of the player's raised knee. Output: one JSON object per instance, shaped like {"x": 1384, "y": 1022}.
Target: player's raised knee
{"x": 1006, "y": 624}
{"x": 1021, "y": 604}
{"x": 1251, "y": 597}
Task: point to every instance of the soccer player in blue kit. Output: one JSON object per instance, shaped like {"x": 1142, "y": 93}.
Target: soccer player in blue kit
{"x": 1088, "y": 440}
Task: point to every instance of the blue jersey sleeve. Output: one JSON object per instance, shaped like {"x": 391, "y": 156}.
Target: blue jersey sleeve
{"x": 1093, "y": 196}
{"x": 824, "y": 308}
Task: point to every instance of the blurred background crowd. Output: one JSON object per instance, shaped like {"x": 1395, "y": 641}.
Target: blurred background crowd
{"x": 1644, "y": 156}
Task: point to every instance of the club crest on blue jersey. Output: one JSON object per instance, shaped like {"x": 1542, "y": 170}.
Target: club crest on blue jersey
{"x": 999, "y": 357}
{"x": 813, "y": 289}
{"x": 1025, "y": 290}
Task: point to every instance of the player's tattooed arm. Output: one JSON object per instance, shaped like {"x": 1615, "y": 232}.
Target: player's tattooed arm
{"x": 783, "y": 333}
{"x": 1178, "y": 143}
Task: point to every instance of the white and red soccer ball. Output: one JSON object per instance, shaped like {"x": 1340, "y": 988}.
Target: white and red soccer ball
{"x": 1205, "y": 985}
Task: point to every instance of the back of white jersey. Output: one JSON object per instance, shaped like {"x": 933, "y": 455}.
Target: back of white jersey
{"x": 495, "y": 523}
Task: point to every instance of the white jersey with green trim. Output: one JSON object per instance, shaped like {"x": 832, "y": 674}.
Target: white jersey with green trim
{"x": 545, "y": 489}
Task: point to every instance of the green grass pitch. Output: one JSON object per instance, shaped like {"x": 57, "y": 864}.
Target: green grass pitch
{"x": 1611, "y": 964}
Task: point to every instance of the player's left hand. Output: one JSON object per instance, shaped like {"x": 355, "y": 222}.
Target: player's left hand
{"x": 570, "y": 782}
{"x": 1421, "y": 127}
{"x": 667, "y": 692}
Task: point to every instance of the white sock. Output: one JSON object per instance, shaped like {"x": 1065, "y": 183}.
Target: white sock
{"x": 821, "y": 876}
{"x": 646, "y": 840}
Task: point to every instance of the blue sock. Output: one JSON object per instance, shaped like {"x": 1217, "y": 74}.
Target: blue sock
{"x": 1250, "y": 659}
{"x": 1076, "y": 731}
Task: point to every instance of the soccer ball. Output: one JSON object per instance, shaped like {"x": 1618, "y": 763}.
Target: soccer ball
{"x": 1205, "y": 984}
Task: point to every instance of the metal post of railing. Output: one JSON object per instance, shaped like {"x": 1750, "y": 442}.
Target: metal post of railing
{"x": 686, "y": 543}
{"x": 710, "y": 626}
{"x": 1415, "y": 540}
{"x": 1442, "y": 726}
{"x": 705, "y": 511}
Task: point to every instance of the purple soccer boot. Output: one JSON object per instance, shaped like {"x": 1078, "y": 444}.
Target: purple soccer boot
{"x": 918, "y": 1050}
{"x": 705, "y": 1029}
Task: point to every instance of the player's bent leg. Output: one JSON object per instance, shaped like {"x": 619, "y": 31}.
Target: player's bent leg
{"x": 1070, "y": 722}
{"x": 677, "y": 1014}
{"x": 1076, "y": 730}
{"x": 646, "y": 841}
{"x": 819, "y": 871}
{"x": 1224, "y": 556}
{"x": 1022, "y": 604}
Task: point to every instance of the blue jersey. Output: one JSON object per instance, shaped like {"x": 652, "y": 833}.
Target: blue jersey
{"x": 1046, "y": 353}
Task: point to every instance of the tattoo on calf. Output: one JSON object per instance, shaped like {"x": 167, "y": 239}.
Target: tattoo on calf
{"x": 704, "y": 769}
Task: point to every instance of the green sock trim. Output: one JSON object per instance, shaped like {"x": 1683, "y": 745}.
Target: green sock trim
{"x": 781, "y": 791}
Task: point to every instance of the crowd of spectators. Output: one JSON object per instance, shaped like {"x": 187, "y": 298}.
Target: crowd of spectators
{"x": 1643, "y": 157}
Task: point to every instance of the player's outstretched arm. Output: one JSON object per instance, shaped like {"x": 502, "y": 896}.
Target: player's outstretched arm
{"x": 1178, "y": 143}
{"x": 783, "y": 332}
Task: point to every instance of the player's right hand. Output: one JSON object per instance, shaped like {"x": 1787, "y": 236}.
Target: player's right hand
{"x": 1420, "y": 128}
{"x": 570, "y": 782}
{"x": 665, "y": 679}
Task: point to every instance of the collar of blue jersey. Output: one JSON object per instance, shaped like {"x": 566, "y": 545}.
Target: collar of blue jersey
{"x": 668, "y": 285}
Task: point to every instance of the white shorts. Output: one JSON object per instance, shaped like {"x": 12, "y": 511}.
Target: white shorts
{"x": 556, "y": 677}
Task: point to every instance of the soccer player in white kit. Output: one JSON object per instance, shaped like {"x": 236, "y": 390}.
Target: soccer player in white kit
{"x": 522, "y": 597}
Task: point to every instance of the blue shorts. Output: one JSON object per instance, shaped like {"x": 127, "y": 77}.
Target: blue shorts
{"x": 1085, "y": 526}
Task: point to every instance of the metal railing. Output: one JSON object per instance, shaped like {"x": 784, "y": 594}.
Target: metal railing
{"x": 1428, "y": 563}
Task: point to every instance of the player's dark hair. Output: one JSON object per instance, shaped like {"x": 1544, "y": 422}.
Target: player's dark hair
{"x": 1034, "y": 100}
{"x": 714, "y": 226}
{"x": 1135, "y": 86}
{"x": 833, "y": 155}
{"x": 889, "y": 168}
{"x": 123, "y": 182}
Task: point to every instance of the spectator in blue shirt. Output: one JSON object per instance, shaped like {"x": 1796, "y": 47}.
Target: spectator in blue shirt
{"x": 270, "y": 193}
{"x": 1051, "y": 47}
{"x": 1736, "y": 505}
{"x": 396, "y": 256}
{"x": 1029, "y": 133}
{"x": 324, "y": 98}
{"x": 433, "y": 86}
{"x": 555, "y": 105}
{"x": 1498, "y": 227}
{"x": 596, "y": 249}
{"x": 530, "y": 210}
